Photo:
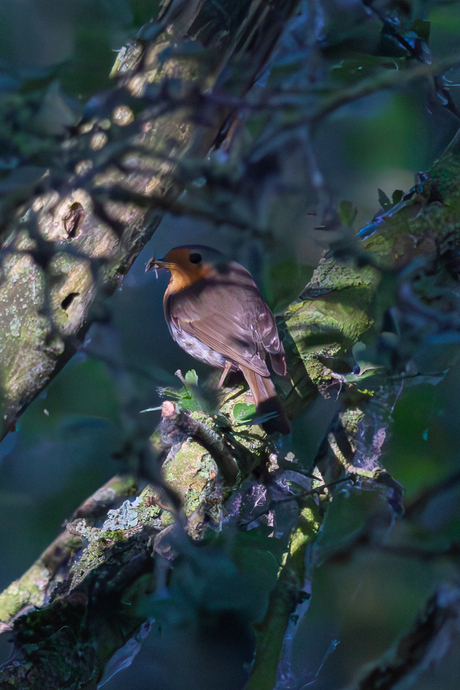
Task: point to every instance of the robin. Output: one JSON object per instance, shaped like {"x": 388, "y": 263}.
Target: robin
{"x": 216, "y": 313}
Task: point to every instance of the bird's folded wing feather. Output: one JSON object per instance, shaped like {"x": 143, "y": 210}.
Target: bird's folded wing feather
{"x": 231, "y": 319}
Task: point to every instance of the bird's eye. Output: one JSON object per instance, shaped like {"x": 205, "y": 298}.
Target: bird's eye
{"x": 195, "y": 258}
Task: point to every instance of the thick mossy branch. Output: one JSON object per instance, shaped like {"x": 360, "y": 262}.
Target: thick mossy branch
{"x": 36, "y": 586}
{"x": 100, "y": 558}
{"x": 355, "y": 286}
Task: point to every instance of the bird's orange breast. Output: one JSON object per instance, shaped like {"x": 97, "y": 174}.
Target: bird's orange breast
{"x": 183, "y": 277}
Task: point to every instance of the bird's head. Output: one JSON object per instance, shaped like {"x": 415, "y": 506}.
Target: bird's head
{"x": 188, "y": 264}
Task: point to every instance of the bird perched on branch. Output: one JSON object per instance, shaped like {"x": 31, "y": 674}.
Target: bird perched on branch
{"x": 216, "y": 313}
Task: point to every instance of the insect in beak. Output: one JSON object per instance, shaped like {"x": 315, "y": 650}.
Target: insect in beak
{"x": 152, "y": 263}
{"x": 155, "y": 264}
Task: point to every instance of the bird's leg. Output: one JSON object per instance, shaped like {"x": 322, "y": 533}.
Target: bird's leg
{"x": 227, "y": 367}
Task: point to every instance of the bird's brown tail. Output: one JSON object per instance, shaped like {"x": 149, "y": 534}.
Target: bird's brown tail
{"x": 267, "y": 402}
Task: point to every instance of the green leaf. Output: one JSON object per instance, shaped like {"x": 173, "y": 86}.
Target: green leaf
{"x": 384, "y": 201}
{"x": 183, "y": 396}
{"x": 191, "y": 377}
{"x": 422, "y": 29}
{"x": 347, "y": 213}
{"x": 191, "y": 396}
{"x": 397, "y": 196}
{"x": 243, "y": 413}
{"x": 362, "y": 66}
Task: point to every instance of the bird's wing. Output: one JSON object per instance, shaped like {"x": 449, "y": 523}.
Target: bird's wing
{"x": 270, "y": 339}
{"x": 227, "y": 316}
